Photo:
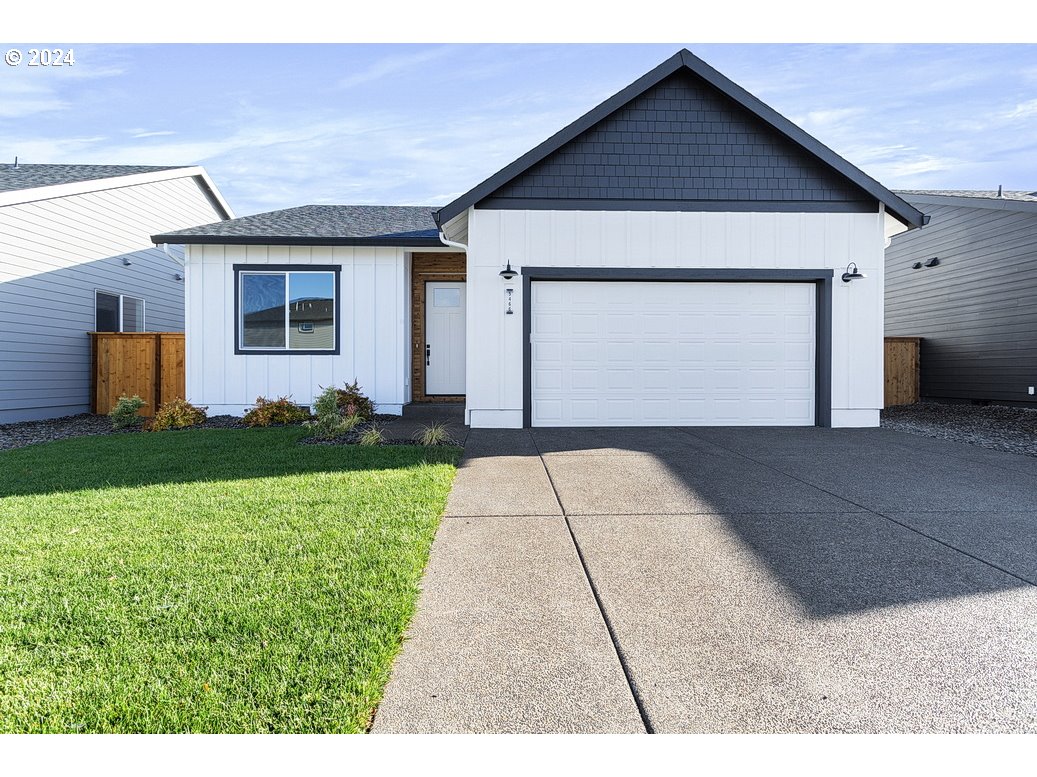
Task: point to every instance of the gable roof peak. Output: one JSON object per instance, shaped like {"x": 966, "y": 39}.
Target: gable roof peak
{"x": 684, "y": 60}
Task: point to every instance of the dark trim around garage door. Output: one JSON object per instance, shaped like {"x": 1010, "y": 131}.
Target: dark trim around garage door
{"x": 822, "y": 280}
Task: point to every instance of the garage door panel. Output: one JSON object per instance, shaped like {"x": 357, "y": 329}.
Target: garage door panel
{"x": 547, "y": 323}
{"x": 585, "y": 351}
{"x": 628, "y": 354}
{"x": 799, "y": 324}
{"x": 548, "y": 351}
{"x": 584, "y": 324}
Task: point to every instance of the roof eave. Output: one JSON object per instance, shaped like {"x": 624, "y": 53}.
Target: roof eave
{"x": 90, "y": 185}
{"x": 296, "y": 240}
{"x": 984, "y": 203}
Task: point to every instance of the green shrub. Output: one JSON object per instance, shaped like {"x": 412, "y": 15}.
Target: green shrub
{"x": 372, "y": 436}
{"x": 353, "y": 401}
{"x": 436, "y": 434}
{"x": 325, "y": 406}
{"x": 124, "y": 414}
{"x": 329, "y": 422}
{"x": 178, "y": 414}
{"x": 274, "y": 412}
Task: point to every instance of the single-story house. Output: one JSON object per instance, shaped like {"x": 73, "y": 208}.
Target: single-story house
{"x": 966, "y": 284}
{"x": 76, "y": 256}
{"x": 680, "y": 255}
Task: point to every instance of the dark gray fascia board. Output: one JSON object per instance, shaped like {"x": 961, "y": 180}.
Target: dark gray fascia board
{"x": 281, "y": 240}
{"x": 1020, "y": 206}
{"x": 714, "y": 206}
{"x": 674, "y": 274}
{"x": 898, "y": 207}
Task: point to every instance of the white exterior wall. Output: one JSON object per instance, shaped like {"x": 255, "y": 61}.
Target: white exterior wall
{"x": 668, "y": 240}
{"x": 373, "y": 327}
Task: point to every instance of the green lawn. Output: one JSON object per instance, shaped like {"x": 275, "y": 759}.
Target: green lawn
{"x": 211, "y": 580}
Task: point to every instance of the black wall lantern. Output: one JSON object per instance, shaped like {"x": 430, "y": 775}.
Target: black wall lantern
{"x": 507, "y": 273}
{"x": 852, "y": 273}
{"x": 935, "y": 261}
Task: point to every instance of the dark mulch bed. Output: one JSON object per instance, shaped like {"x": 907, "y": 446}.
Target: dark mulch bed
{"x": 998, "y": 427}
{"x": 353, "y": 437}
{"x": 24, "y": 433}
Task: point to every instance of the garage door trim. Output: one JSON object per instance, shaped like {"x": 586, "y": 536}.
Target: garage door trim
{"x": 822, "y": 280}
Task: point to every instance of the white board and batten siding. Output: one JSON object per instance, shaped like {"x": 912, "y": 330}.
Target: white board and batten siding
{"x": 373, "y": 326}
{"x": 614, "y": 239}
{"x": 54, "y": 253}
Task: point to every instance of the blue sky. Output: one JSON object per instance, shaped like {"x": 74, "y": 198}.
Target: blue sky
{"x": 284, "y": 125}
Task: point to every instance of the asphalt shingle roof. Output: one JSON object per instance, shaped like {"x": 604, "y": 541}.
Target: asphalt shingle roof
{"x": 320, "y": 225}
{"x": 979, "y": 194}
{"x": 32, "y": 176}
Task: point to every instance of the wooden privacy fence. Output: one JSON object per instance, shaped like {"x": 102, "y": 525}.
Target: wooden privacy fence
{"x": 902, "y": 366}
{"x": 149, "y": 364}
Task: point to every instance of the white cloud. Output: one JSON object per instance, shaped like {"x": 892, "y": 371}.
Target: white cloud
{"x": 921, "y": 165}
{"x": 1023, "y": 110}
{"x": 151, "y": 134}
{"x": 393, "y": 65}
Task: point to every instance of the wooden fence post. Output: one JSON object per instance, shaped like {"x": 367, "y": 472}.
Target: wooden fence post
{"x": 902, "y": 368}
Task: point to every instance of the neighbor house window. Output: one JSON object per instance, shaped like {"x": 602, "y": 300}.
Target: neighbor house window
{"x": 282, "y": 310}
{"x": 118, "y": 313}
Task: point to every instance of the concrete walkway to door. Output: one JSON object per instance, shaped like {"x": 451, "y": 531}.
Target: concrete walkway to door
{"x": 724, "y": 580}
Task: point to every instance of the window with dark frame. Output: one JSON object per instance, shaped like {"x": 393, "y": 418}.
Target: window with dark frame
{"x": 287, "y": 310}
{"x": 118, "y": 313}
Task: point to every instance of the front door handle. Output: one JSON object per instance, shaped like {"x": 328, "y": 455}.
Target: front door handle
{"x": 428, "y": 353}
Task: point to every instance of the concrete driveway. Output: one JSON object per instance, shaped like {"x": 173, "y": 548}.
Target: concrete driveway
{"x": 725, "y": 580}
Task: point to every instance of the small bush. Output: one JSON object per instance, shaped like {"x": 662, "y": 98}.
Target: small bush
{"x": 274, "y": 412}
{"x": 372, "y": 436}
{"x": 124, "y": 414}
{"x": 325, "y": 406}
{"x": 178, "y": 414}
{"x": 436, "y": 434}
{"x": 353, "y": 401}
{"x": 330, "y": 421}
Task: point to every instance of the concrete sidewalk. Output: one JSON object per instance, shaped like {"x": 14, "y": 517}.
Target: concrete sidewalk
{"x": 726, "y": 580}
{"x": 508, "y": 638}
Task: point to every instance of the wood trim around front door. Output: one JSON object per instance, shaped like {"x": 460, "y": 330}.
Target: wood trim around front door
{"x": 425, "y": 268}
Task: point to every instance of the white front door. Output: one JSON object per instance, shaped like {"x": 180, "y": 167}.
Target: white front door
{"x": 444, "y": 338}
{"x": 673, "y": 354}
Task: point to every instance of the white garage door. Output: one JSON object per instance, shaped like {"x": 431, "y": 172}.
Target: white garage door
{"x": 656, "y": 354}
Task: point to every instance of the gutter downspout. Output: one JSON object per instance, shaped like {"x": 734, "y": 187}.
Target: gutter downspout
{"x": 462, "y": 247}
{"x": 451, "y": 243}
{"x": 177, "y": 259}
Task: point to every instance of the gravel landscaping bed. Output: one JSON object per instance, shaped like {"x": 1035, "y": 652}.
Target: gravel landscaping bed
{"x": 31, "y": 432}
{"x": 999, "y": 427}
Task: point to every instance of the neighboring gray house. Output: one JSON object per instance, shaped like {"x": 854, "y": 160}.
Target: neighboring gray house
{"x": 76, "y": 256}
{"x": 967, "y": 284}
